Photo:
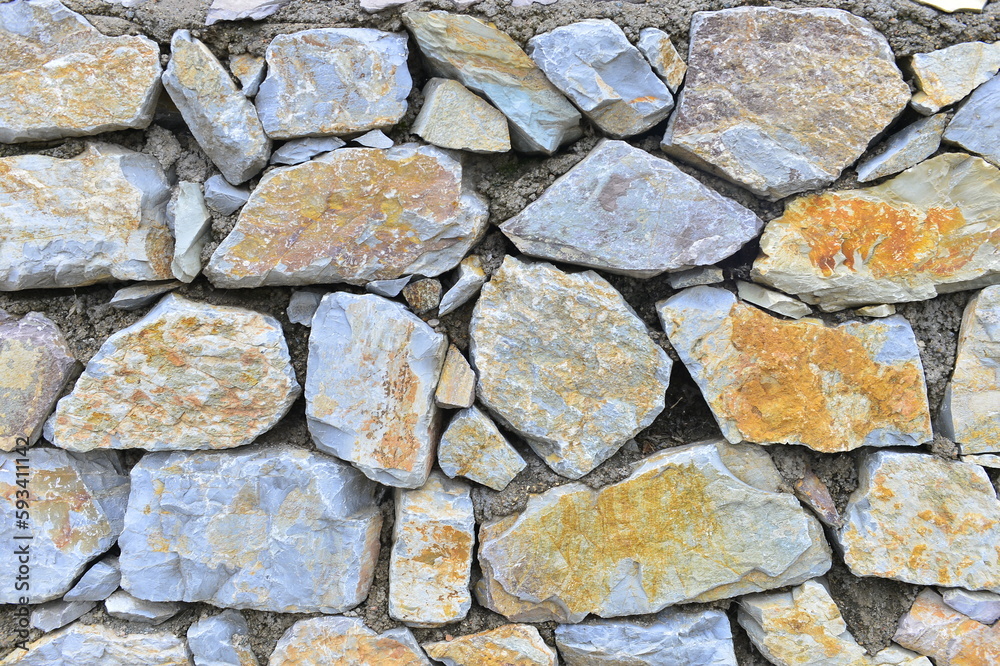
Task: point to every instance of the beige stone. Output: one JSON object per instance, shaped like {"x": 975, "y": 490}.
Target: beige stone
{"x": 345, "y": 640}
{"x": 947, "y": 75}
{"x": 457, "y": 387}
{"x": 509, "y": 645}
{"x": 950, "y": 6}
{"x": 947, "y": 636}
{"x": 454, "y": 117}
{"x": 472, "y": 446}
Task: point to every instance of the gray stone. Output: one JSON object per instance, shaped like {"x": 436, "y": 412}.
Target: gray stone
{"x": 77, "y": 507}
{"x": 471, "y": 278}
{"x": 276, "y": 529}
{"x": 237, "y": 10}
{"x": 990, "y": 460}
{"x": 593, "y": 63}
{"x": 947, "y": 75}
{"x": 774, "y": 301}
{"x": 664, "y": 58}
{"x": 372, "y": 370}
{"x": 359, "y": 81}
{"x": 191, "y": 225}
{"x": 695, "y": 276}
{"x": 55, "y": 614}
{"x": 302, "y": 306}
{"x": 491, "y": 64}
{"x": 140, "y": 295}
{"x": 472, "y": 446}
{"x": 981, "y": 606}
{"x": 224, "y": 198}
{"x": 374, "y": 6}
{"x": 933, "y": 628}
{"x": 454, "y": 117}
{"x": 99, "y": 581}
{"x": 221, "y": 640}
{"x": 221, "y": 118}
{"x": 373, "y": 139}
{"x": 905, "y": 148}
{"x": 298, "y": 151}
{"x": 388, "y": 288}
{"x": 626, "y": 211}
{"x": 250, "y": 71}
{"x": 976, "y": 125}
{"x": 124, "y": 606}
{"x": 93, "y": 645}
{"x": 695, "y": 638}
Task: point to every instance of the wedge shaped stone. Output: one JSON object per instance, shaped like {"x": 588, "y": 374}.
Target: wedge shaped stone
{"x": 236, "y": 10}
{"x": 933, "y": 229}
{"x": 124, "y": 606}
{"x": 221, "y": 640}
{"x": 976, "y": 125}
{"x": 457, "y": 386}
{"x": 981, "y": 606}
{"x": 626, "y": 211}
{"x": 222, "y": 197}
{"x": 188, "y": 375}
{"x": 60, "y": 77}
{"x": 664, "y": 58}
{"x": 665, "y": 535}
{"x": 249, "y": 70}
{"x": 98, "y": 582}
{"x": 372, "y": 370}
{"x": 455, "y": 117}
{"x": 754, "y": 111}
{"x": 97, "y": 217}
{"x": 945, "y": 635}
{"x": 575, "y": 398}
{"x": 277, "y": 529}
{"x": 76, "y": 505}
{"x": 473, "y": 447}
{"x": 947, "y": 75}
{"x": 920, "y": 519}
{"x": 490, "y": 63}
{"x": 471, "y": 278}
{"x": 55, "y": 614}
{"x": 519, "y": 644}
{"x": 298, "y": 151}
{"x": 773, "y": 381}
{"x": 97, "y": 644}
{"x": 904, "y": 149}
{"x": 353, "y": 215}
{"x": 774, "y": 301}
{"x": 138, "y": 296}
{"x": 191, "y": 224}
{"x": 345, "y": 640}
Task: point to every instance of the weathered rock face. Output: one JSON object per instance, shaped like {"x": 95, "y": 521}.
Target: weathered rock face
{"x": 769, "y": 380}
{"x": 277, "y": 529}
{"x": 97, "y": 217}
{"x": 755, "y": 111}
{"x": 947, "y": 75}
{"x": 359, "y": 81}
{"x": 353, "y": 215}
{"x": 188, "y": 375}
{"x": 981, "y": 606}
{"x": 920, "y": 519}
{"x": 98, "y": 582}
{"x": 471, "y": 278}
{"x": 575, "y": 398}
{"x": 345, "y": 640}
{"x": 124, "y": 606}
{"x": 76, "y": 508}
{"x": 373, "y": 369}
{"x": 473, "y": 447}
{"x": 511, "y": 644}
{"x": 656, "y": 46}
{"x": 970, "y": 411}
{"x": 904, "y": 149}
{"x": 457, "y": 386}
{"x": 490, "y": 63}
{"x": 948, "y": 637}
{"x": 932, "y": 229}
{"x": 593, "y": 63}
{"x": 221, "y": 118}
{"x": 95, "y": 644}
{"x": 626, "y": 211}
{"x": 191, "y": 224}
{"x": 666, "y": 535}
{"x": 454, "y": 117}
{"x": 976, "y": 125}
{"x": 60, "y": 77}
{"x": 221, "y": 640}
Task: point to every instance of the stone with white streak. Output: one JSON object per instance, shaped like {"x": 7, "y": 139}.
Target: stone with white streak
{"x": 224, "y": 198}
{"x": 191, "y": 225}
{"x": 188, "y": 375}
{"x": 981, "y": 606}
{"x": 124, "y": 606}
{"x": 298, "y": 151}
{"x": 519, "y": 644}
{"x": 237, "y": 10}
{"x": 908, "y": 147}
{"x": 948, "y": 637}
{"x": 774, "y": 301}
{"x": 947, "y": 75}
{"x": 455, "y": 117}
{"x": 372, "y": 370}
{"x": 79, "y": 645}
{"x": 457, "y": 387}
{"x": 273, "y": 529}
{"x": 471, "y": 278}
{"x": 221, "y": 640}
{"x": 575, "y": 397}
{"x": 976, "y": 125}
{"x": 593, "y": 63}
{"x": 345, "y": 640}
{"x": 98, "y": 582}
{"x": 472, "y": 446}
{"x": 664, "y": 58}
{"x": 60, "y": 77}
{"x": 55, "y": 614}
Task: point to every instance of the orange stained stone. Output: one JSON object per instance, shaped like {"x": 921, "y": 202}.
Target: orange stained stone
{"x": 508, "y": 645}
{"x": 342, "y": 640}
{"x": 934, "y": 629}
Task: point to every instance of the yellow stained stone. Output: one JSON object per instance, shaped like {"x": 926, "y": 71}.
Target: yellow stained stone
{"x": 509, "y": 645}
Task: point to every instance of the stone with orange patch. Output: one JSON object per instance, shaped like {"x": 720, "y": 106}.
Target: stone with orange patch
{"x": 508, "y": 645}
{"x": 932, "y": 628}
{"x": 457, "y": 387}
{"x": 472, "y": 446}
{"x": 345, "y": 640}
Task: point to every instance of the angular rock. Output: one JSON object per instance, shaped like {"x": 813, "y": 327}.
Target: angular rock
{"x": 423, "y": 295}
{"x": 140, "y": 295}
{"x": 876, "y": 311}
{"x": 811, "y": 490}
{"x": 373, "y": 139}
{"x": 970, "y": 410}
{"x": 695, "y": 276}
{"x": 221, "y": 640}
{"x": 80, "y": 644}
{"x": 575, "y": 397}
{"x": 302, "y": 306}
{"x": 626, "y": 211}
{"x": 772, "y": 300}
{"x": 519, "y": 644}
{"x": 454, "y": 117}
{"x": 904, "y": 149}
{"x": 221, "y": 118}
{"x": 920, "y": 519}
{"x": 124, "y": 606}
{"x": 388, "y": 288}
{"x": 35, "y": 364}
{"x": 374, "y": 6}
{"x": 222, "y": 197}
{"x": 237, "y": 10}
{"x": 754, "y": 111}
{"x": 597, "y": 68}
{"x": 372, "y": 370}
{"x": 191, "y": 225}
{"x": 933, "y": 229}
{"x": 353, "y": 215}
{"x": 769, "y": 380}
{"x": 76, "y": 507}
{"x": 665, "y": 535}
{"x": 984, "y": 460}
{"x": 60, "y": 77}
{"x": 471, "y": 278}
{"x": 188, "y": 375}
{"x": 345, "y": 640}
{"x": 56, "y": 614}
{"x": 491, "y": 64}
{"x": 948, "y": 637}
{"x": 431, "y": 562}
{"x": 656, "y": 46}
{"x": 950, "y": 6}
{"x": 976, "y": 125}
{"x": 947, "y": 75}
{"x": 981, "y": 606}
{"x": 98, "y": 582}
{"x": 359, "y": 81}
{"x": 473, "y": 447}
{"x": 69, "y": 223}
{"x": 250, "y": 71}
{"x": 675, "y": 637}
{"x": 457, "y": 387}
{"x": 298, "y": 151}
{"x": 278, "y": 529}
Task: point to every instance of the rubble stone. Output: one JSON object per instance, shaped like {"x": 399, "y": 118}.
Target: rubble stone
{"x": 454, "y": 117}
{"x": 457, "y": 386}
{"x": 945, "y": 635}
{"x": 519, "y": 644}
{"x": 976, "y": 124}
{"x": 345, "y": 640}
{"x": 948, "y": 75}
{"x": 473, "y": 447}
{"x": 656, "y": 46}
{"x": 124, "y": 606}
{"x": 471, "y": 278}
{"x": 904, "y": 149}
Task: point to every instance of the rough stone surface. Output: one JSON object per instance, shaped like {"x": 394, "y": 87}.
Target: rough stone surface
{"x": 124, "y": 606}
{"x": 510, "y": 644}
{"x": 904, "y": 149}
{"x": 140, "y": 295}
{"x": 920, "y": 519}
{"x": 970, "y": 411}
{"x": 773, "y": 381}
{"x": 353, "y": 215}
{"x": 816, "y": 495}
{"x": 884, "y": 310}
{"x": 191, "y": 224}
{"x": 431, "y": 563}
{"x": 626, "y": 211}
{"x": 80, "y": 644}
{"x": 388, "y": 288}
{"x": 490, "y": 63}
{"x": 373, "y": 369}
{"x": 60, "y": 77}
{"x": 594, "y": 65}
{"x": 457, "y": 386}
{"x": 359, "y": 82}
{"x": 373, "y": 139}
{"x": 473, "y": 447}
{"x": 30, "y": 347}
{"x": 576, "y": 398}
{"x": 656, "y": 46}
{"x": 702, "y": 638}
{"x": 224, "y": 198}
{"x": 72, "y": 222}
{"x": 935, "y": 228}
{"x": 948, "y": 637}
{"x": 947, "y": 75}
{"x": 665, "y": 535}
{"x": 237, "y": 10}
{"x": 345, "y": 640}
{"x": 221, "y": 640}
{"x": 188, "y": 375}
{"x": 695, "y": 276}
{"x": 279, "y": 529}
{"x": 754, "y": 110}
{"x": 976, "y": 125}
{"x": 55, "y": 614}
{"x": 76, "y": 508}
{"x": 250, "y": 71}
{"x": 471, "y": 278}
{"x": 772, "y": 300}
{"x": 302, "y": 306}
{"x": 302, "y": 150}
{"x": 454, "y": 117}
{"x": 99, "y": 581}
{"x": 423, "y": 295}
{"x": 981, "y": 606}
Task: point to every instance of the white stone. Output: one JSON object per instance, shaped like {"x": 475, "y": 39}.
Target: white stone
{"x": 388, "y": 288}
{"x": 98, "y": 582}
{"x": 221, "y": 640}
{"x": 884, "y": 310}
{"x": 910, "y": 146}
{"x": 373, "y": 139}
{"x": 302, "y": 306}
{"x": 298, "y": 151}
{"x": 142, "y": 294}
{"x": 55, "y": 614}
{"x": 191, "y": 224}
{"x": 471, "y": 278}
{"x": 981, "y": 606}
{"x": 695, "y": 276}
{"x": 774, "y": 301}
{"x": 98, "y": 645}
{"x": 661, "y": 54}
{"x": 345, "y": 640}
{"x": 237, "y": 10}
{"x": 124, "y": 606}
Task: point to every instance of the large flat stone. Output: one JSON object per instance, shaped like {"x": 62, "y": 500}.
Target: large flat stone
{"x": 518, "y": 644}
{"x": 948, "y": 637}
{"x": 976, "y": 124}
{"x": 947, "y": 75}
{"x": 345, "y": 640}
{"x": 80, "y": 644}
